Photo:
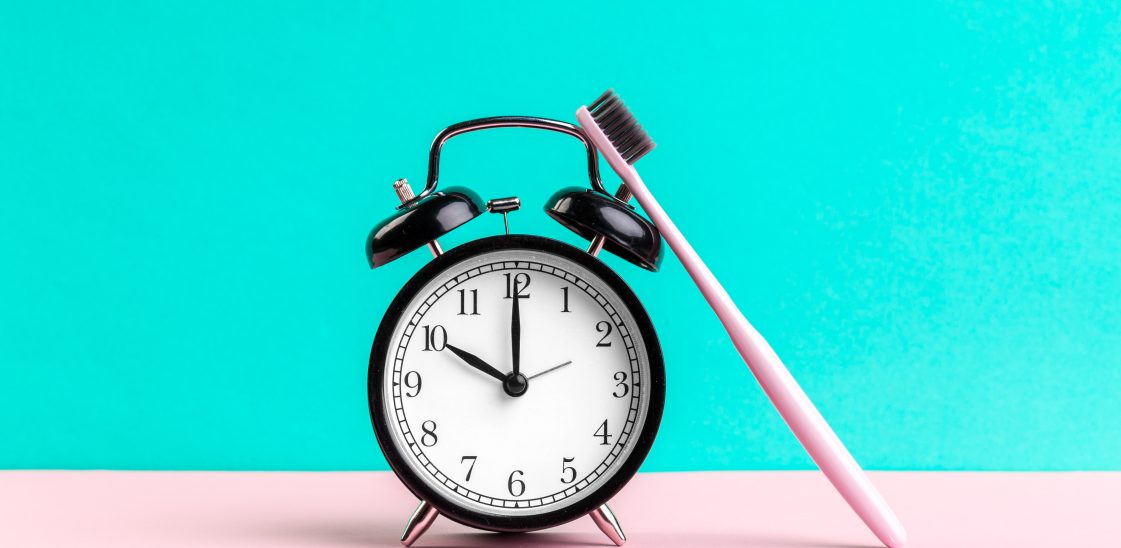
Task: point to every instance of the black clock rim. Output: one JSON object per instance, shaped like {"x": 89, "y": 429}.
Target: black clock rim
{"x": 515, "y": 524}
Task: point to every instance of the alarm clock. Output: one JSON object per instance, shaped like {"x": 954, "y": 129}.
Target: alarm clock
{"x": 515, "y": 382}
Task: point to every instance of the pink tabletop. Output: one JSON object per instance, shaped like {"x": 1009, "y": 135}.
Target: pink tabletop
{"x": 742, "y": 509}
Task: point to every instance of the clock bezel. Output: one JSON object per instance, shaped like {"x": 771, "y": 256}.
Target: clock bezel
{"x": 599, "y": 495}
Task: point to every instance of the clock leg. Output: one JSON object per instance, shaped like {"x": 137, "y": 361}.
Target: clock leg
{"x": 605, "y": 520}
{"x": 418, "y": 523}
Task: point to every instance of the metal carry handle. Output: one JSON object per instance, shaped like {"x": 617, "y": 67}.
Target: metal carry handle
{"x": 505, "y": 121}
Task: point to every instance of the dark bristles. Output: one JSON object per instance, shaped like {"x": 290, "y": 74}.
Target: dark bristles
{"x": 607, "y": 94}
{"x": 617, "y": 122}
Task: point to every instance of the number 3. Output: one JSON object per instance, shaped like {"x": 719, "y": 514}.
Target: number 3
{"x": 621, "y": 382}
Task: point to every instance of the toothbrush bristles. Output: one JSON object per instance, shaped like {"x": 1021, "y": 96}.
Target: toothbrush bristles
{"x": 606, "y": 95}
{"x": 617, "y": 122}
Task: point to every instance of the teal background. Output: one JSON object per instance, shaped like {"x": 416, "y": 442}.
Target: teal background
{"x": 919, "y": 206}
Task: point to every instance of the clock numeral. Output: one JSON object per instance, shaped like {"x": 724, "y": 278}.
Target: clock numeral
{"x": 517, "y": 283}
{"x": 412, "y": 380}
{"x": 602, "y": 434}
{"x": 605, "y": 328}
{"x": 463, "y": 302}
{"x": 435, "y": 338}
{"x": 428, "y": 439}
{"x": 621, "y": 385}
{"x": 566, "y": 469}
{"x": 470, "y": 469}
{"x": 565, "y": 308}
{"x": 516, "y": 486}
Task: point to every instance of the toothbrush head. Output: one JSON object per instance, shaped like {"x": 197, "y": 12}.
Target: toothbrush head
{"x": 618, "y": 124}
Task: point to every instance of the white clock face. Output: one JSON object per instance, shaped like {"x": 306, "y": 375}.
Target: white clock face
{"x": 504, "y": 445}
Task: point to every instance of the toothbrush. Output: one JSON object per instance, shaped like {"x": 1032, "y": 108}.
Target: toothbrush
{"x": 617, "y": 135}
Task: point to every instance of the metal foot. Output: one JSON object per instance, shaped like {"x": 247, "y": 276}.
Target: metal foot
{"x": 605, "y": 520}
{"x": 418, "y": 523}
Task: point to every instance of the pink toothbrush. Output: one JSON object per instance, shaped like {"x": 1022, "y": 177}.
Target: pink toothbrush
{"x": 614, "y": 131}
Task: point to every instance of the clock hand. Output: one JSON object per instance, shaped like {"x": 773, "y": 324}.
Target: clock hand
{"x": 516, "y": 331}
{"x": 477, "y": 363}
{"x": 553, "y": 368}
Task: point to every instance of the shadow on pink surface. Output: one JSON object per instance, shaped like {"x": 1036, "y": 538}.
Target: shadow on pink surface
{"x": 718, "y": 509}
{"x": 368, "y": 534}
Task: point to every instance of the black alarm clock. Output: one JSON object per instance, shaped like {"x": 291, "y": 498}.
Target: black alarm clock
{"x": 516, "y": 382}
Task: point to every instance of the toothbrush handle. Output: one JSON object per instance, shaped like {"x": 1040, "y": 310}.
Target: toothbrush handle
{"x": 804, "y": 420}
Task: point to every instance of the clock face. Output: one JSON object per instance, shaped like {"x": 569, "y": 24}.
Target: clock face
{"x": 516, "y": 383}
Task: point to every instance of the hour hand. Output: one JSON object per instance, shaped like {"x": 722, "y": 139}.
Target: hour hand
{"x": 476, "y": 362}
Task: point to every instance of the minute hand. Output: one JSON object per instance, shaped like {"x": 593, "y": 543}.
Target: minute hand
{"x": 476, "y": 362}
{"x": 516, "y": 333}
